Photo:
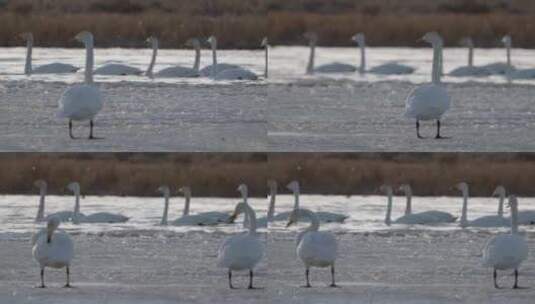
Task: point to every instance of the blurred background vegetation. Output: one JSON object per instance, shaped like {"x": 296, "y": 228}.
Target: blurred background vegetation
{"x": 243, "y": 23}
{"x": 218, "y": 174}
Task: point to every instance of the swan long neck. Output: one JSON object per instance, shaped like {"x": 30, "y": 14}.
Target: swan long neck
{"x": 471, "y": 55}
{"x": 75, "y": 218}
{"x": 296, "y": 199}
{"x": 150, "y": 69}
{"x": 214, "y": 59}
{"x": 500, "y": 204}
{"x": 464, "y": 212}
{"x": 266, "y": 61}
{"x": 362, "y": 67}
{"x": 28, "y": 65}
{"x": 388, "y": 217}
{"x": 50, "y": 232}
{"x": 165, "y": 208}
{"x": 509, "y": 64}
{"x": 271, "y": 208}
{"x": 514, "y": 218}
{"x": 89, "y": 61}
{"x": 41, "y": 211}
{"x": 187, "y": 200}
{"x": 314, "y": 221}
{"x": 437, "y": 59}
{"x": 508, "y": 53}
{"x": 197, "y": 63}
{"x": 251, "y": 216}
{"x": 408, "y": 206}
{"x": 310, "y": 66}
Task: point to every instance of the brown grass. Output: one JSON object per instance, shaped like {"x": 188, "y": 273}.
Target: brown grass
{"x": 218, "y": 174}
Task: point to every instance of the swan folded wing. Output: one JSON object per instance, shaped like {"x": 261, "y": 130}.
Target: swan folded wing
{"x": 427, "y": 102}
{"x": 207, "y": 70}
{"x": 177, "y": 71}
{"x": 55, "y": 68}
{"x": 58, "y": 253}
{"x": 523, "y": 74}
{"x": 335, "y": 67}
{"x": 499, "y": 68}
{"x": 470, "y": 71}
{"x": 80, "y": 102}
{"x": 490, "y": 221}
{"x": 195, "y": 220}
{"x": 439, "y": 216}
{"x": 526, "y": 217}
{"x": 505, "y": 251}
{"x": 236, "y": 74}
{"x": 117, "y": 69}
{"x": 392, "y": 68}
{"x": 317, "y": 248}
{"x": 63, "y": 216}
{"x": 104, "y": 217}
{"x": 242, "y": 251}
{"x": 330, "y": 217}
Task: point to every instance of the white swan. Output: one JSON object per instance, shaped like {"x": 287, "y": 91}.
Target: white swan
{"x": 51, "y": 68}
{"x": 432, "y": 216}
{"x": 99, "y": 217}
{"x": 201, "y": 219}
{"x": 53, "y": 249}
{"x": 503, "y": 68}
{"x": 484, "y": 221}
{"x": 506, "y": 251}
{"x": 264, "y": 221}
{"x": 184, "y": 72}
{"x": 210, "y": 71}
{"x": 390, "y": 68}
{"x": 429, "y": 101}
{"x": 335, "y": 67}
{"x": 470, "y": 70}
{"x": 314, "y": 248}
{"x": 265, "y": 45}
{"x": 119, "y": 69}
{"x": 63, "y": 216}
{"x": 244, "y": 250}
{"x": 82, "y": 102}
{"x": 408, "y": 218}
{"x": 327, "y": 217}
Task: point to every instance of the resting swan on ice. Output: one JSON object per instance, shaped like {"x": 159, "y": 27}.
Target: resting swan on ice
{"x": 470, "y": 69}
{"x": 242, "y": 251}
{"x": 50, "y": 68}
{"x": 99, "y": 217}
{"x": 430, "y": 216}
{"x": 429, "y": 101}
{"x": 63, "y": 216}
{"x": 223, "y": 71}
{"x": 484, "y": 221}
{"x": 390, "y": 68}
{"x": 314, "y": 248}
{"x": 184, "y": 72}
{"x": 408, "y": 218}
{"x": 503, "y": 68}
{"x": 335, "y": 67}
{"x": 506, "y": 251}
{"x": 82, "y": 102}
{"x": 53, "y": 248}
{"x": 119, "y": 69}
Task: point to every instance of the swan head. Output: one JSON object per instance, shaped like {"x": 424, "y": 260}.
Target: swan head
{"x": 28, "y": 36}
{"x": 467, "y": 41}
{"x": 240, "y": 208}
{"x": 500, "y": 190}
{"x": 212, "y": 40}
{"x": 193, "y": 42}
{"x": 39, "y": 183}
{"x": 432, "y": 37}
{"x": 386, "y": 189}
{"x": 293, "y": 186}
{"x": 84, "y": 36}
{"x": 186, "y": 190}
{"x": 74, "y": 187}
{"x": 152, "y": 41}
{"x": 359, "y": 38}
{"x": 507, "y": 40}
{"x": 264, "y": 42}
{"x": 405, "y": 188}
{"x": 463, "y": 186}
{"x": 242, "y": 188}
{"x": 272, "y": 184}
{"x": 164, "y": 190}
{"x": 311, "y": 36}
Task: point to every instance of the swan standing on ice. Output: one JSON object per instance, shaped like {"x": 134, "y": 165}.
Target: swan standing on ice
{"x": 51, "y": 68}
{"x": 63, "y": 216}
{"x": 506, "y": 251}
{"x": 264, "y": 221}
{"x": 429, "y": 101}
{"x": 244, "y": 250}
{"x": 484, "y": 221}
{"x": 408, "y": 218}
{"x": 53, "y": 249}
{"x": 184, "y": 72}
{"x": 82, "y": 102}
{"x": 470, "y": 69}
{"x": 327, "y": 217}
{"x": 265, "y": 45}
{"x": 99, "y": 217}
{"x": 314, "y": 248}
{"x": 503, "y": 68}
{"x": 153, "y": 42}
{"x": 335, "y": 67}
{"x": 433, "y": 216}
{"x": 391, "y": 68}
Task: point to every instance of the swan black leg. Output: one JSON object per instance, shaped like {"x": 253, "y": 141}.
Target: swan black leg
{"x": 495, "y": 276}
{"x": 516, "y": 279}
{"x": 68, "y": 272}
{"x": 91, "y": 129}
{"x": 307, "y": 272}
{"x": 333, "y": 283}
{"x": 70, "y": 129}
{"x": 42, "y": 278}
{"x": 230, "y": 279}
{"x": 251, "y": 279}
{"x": 438, "y": 129}
{"x": 418, "y": 129}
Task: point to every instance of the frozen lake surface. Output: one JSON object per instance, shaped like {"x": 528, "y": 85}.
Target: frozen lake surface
{"x": 140, "y": 262}
{"x": 287, "y": 112}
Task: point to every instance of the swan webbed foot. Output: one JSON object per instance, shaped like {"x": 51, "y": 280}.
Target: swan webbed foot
{"x": 67, "y": 285}
{"x": 515, "y": 286}
{"x": 495, "y": 276}
{"x": 40, "y": 286}
{"x": 418, "y": 130}
{"x": 334, "y": 285}
{"x": 70, "y": 130}
{"x": 306, "y": 286}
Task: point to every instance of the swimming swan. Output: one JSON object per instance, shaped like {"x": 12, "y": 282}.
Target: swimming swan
{"x": 407, "y": 219}
{"x": 209, "y": 71}
{"x": 99, "y": 217}
{"x": 506, "y": 251}
{"x": 314, "y": 248}
{"x": 326, "y": 217}
{"x": 470, "y": 69}
{"x": 242, "y": 251}
{"x": 53, "y": 249}
{"x": 484, "y": 221}
{"x": 82, "y": 102}
{"x": 51, "y": 68}
{"x": 184, "y": 72}
{"x": 265, "y": 45}
{"x": 390, "y": 68}
{"x": 431, "y": 216}
{"x": 335, "y": 67}
{"x": 63, "y": 216}
{"x": 264, "y": 221}
{"x": 429, "y": 101}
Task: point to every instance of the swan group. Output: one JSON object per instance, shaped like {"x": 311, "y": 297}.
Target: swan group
{"x": 51, "y": 68}
{"x": 390, "y": 68}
